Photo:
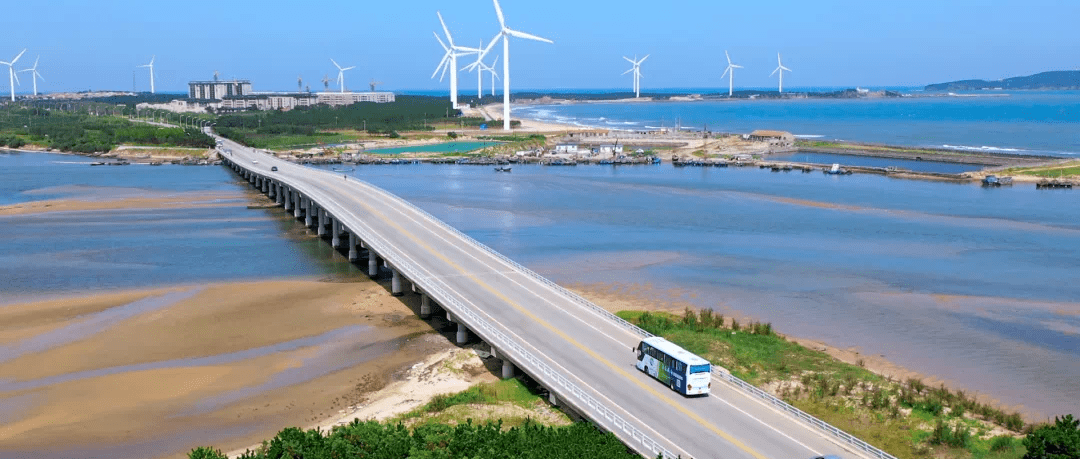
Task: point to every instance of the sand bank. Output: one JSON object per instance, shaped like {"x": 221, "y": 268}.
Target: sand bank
{"x": 226, "y": 364}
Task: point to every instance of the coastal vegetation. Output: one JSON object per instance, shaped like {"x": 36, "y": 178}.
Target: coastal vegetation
{"x": 320, "y": 125}
{"x": 88, "y": 132}
{"x": 1067, "y": 169}
{"x": 905, "y": 418}
{"x": 448, "y": 426}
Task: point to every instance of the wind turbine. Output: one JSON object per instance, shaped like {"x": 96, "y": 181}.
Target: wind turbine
{"x": 151, "y": 65}
{"x": 491, "y": 69}
{"x": 11, "y": 73}
{"x": 505, "y": 33}
{"x": 780, "y": 68}
{"x": 34, "y": 75}
{"x": 300, "y": 83}
{"x": 637, "y": 72}
{"x": 730, "y": 72}
{"x": 326, "y": 82}
{"x": 341, "y": 74}
{"x": 449, "y": 60}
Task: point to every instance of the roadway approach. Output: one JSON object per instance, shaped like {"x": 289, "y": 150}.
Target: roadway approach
{"x": 580, "y": 353}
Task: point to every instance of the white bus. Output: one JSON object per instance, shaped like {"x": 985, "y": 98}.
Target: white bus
{"x": 682, "y": 371}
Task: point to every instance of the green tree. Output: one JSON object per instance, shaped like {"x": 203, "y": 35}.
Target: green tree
{"x": 1060, "y": 440}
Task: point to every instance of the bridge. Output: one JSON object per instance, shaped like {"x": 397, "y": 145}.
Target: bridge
{"x": 579, "y": 352}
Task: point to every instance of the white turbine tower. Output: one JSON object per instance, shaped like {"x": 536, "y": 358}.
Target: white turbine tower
{"x": 479, "y": 64}
{"x": 780, "y": 68}
{"x": 637, "y": 72}
{"x": 151, "y": 65}
{"x": 730, "y": 72}
{"x": 449, "y": 60}
{"x": 34, "y": 75}
{"x": 505, "y": 33}
{"x": 11, "y": 73}
{"x": 341, "y": 75}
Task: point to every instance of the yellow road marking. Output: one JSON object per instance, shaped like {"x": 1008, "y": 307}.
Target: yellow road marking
{"x": 561, "y": 334}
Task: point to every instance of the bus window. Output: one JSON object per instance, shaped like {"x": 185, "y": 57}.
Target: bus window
{"x": 699, "y": 369}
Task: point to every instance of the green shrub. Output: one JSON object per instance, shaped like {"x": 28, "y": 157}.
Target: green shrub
{"x": 1002, "y": 443}
{"x": 203, "y": 452}
{"x": 1060, "y": 440}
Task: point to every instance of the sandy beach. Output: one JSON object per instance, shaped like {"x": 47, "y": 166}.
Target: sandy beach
{"x": 227, "y": 364}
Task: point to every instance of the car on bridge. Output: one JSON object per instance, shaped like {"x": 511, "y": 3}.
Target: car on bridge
{"x": 273, "y": 169}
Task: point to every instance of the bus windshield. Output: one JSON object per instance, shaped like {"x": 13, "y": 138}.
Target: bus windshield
{"x": 699, "y": 369}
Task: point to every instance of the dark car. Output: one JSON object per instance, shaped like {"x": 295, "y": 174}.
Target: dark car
{"x": 273, "y": 169}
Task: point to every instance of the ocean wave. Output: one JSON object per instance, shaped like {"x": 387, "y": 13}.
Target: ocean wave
{"x": 808, "y": 136}
{"x": 982, "y": 148}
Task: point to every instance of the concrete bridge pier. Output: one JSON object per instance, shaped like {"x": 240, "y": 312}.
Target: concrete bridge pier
{"x": 372, "y": 265}
{"x": 265, "y": 185}
{"x": 335, "y": 233}
{"x": 507, "y": 369}
{"x": 395, "y": 283}
{"x": 322, "y": 222}
{"x": 288, "y": 198}
{"x": 353, "y": 253}
{"x": 298, "y": 204}
{"x": 463, "y": 337}
{"x": 425, "y": 306}
{"x": 307, "y": 212}
{"x": 274, "y": 192}
{"x": 553, "y": 399}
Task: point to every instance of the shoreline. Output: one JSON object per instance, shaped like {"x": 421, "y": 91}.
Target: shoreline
{"x": 610, "y": 297}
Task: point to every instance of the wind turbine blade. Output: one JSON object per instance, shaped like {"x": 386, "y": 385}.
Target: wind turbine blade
{"x": 491, "y": 45}
{"x": 736, "y": 66}
{"x": 728, "y": 56}
{"x": 335, "y": 64}
{"x": 785, "y": 68}
{"x": 629, "y": 60}
{"x": 17, "y": 57}
{"x": 628, "y": 71}
{"x": 527, "y": 36}
{"x": 643, "y": 59}
{"x": 774, "y": 71}
{"x": 449, "y": 38}
{"x": 348, "y": 68}
{"x": 39, "y": 75}
{"x": 498, "y": 12}
{"x": 445, "y": 68}
{"x": 151, "y": 64}
{"x": 16, "y": 75}
{"x": 441, "y": 43}
{"x": 441, "y": 64}
{"x": 778, "y": 60}
{"x": 496, "y": 61}
{"x": 725, "y": 72}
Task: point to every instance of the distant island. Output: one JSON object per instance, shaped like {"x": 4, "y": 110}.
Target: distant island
{"x": 1055, "y": 80}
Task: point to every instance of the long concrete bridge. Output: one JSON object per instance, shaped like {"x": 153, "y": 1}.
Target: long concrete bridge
{"x": 579, "y": 352}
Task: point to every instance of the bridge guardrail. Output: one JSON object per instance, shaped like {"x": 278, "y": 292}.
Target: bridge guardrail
{"x": 723, "y": 375}
{"x": 492, "y": 335}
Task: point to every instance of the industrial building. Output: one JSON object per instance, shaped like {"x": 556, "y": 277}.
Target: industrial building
{"x": 218, "y": 90}
{"x": 237, "y": 95}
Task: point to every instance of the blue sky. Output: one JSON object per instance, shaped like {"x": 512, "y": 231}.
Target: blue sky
{"x": 96, "y": 45}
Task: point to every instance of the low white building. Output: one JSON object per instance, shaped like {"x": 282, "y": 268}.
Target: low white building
{"x": 349, "y": 98}
{"x": 609, "y": 149}
{"x": 566, "y": 148}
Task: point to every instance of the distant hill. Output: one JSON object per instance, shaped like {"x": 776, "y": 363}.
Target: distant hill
{"x": 1059, "y": 80}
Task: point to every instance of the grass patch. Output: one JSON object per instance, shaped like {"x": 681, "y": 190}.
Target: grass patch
{"x": 1062, "y": 170}
{"x": 511, "y": 391}
{"x": 908, "y": 419}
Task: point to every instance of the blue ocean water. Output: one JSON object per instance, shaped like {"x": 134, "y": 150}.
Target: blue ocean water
{"x": 1042, "y": 122}
{"x": 971, "y": 284}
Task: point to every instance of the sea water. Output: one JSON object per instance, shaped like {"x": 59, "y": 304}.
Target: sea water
{"x": 58, "y": 253}
{"x": 1031, "y": 122}
{"x": 974, "y": 285}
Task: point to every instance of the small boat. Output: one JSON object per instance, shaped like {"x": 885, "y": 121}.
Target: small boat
{"x": 99, "y": 163}
{"x": 990, "y": 180}
{"x": 502, "y": 169}
{"x": 836, "y": 170}
{"x": 342, "y": 169}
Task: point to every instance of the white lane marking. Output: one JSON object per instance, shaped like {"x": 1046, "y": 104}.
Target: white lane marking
{"x": 367, "y": 189}
{"x": 509, "y": 331}
{"x": 765, "y": 424}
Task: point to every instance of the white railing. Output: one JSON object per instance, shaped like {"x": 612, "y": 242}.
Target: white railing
{"x": 719, "y": 373}
{"x": 604, "y": 412}
{"x": 536, "y": 367}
